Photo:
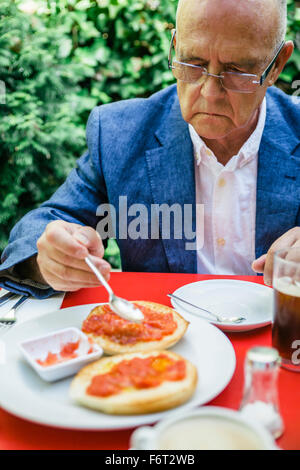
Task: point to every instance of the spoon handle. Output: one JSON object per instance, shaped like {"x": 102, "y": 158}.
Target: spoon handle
{"x": 192, "y": 305}
{"x": 99, "y": 275}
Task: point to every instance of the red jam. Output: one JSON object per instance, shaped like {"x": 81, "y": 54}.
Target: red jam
{"x": 153, "y": 328}
{"x": 66, "y": 353}
{"x": 137, "y": 373}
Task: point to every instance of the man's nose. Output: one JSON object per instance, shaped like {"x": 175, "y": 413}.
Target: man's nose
{"x": 211, "y": 86}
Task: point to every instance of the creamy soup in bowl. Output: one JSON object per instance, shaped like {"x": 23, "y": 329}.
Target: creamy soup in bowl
{"x": 206, "y": 428}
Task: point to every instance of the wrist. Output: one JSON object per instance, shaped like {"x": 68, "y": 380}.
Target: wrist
{"x": 29, "y": 269}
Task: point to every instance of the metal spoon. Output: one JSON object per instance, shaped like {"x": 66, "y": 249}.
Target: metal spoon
{"x": 121, "y": 307}
{"x": 219, "y": 319}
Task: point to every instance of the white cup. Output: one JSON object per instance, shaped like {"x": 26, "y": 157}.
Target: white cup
{"x": 207, "y": 428}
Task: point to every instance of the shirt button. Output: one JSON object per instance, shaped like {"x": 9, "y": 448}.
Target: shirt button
{"x": 222, "y": 182}
{"x": 221, "y": 241}
{"x": 208, "y": 152}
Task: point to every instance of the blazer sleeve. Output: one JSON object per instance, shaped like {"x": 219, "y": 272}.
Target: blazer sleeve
{"x": 76, "y": 200}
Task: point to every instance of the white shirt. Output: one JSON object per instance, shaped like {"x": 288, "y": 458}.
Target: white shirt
{"x": 229, "y": 197}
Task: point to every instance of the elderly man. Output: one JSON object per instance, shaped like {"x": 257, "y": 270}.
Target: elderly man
{"x": 224, "y": 139}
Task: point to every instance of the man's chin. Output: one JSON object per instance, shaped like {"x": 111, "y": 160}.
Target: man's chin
{"x": 211, "y": 131}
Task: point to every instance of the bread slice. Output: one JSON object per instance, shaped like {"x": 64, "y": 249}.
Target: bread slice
{"x": 111, "y": 346}
{"x": 168, "y": 394}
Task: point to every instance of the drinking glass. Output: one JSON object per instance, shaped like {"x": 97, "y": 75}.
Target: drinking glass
{"x": 286, "y": 325}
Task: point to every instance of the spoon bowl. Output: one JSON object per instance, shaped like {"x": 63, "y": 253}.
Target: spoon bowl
{"x": 122, "y": 307}
{"x": 125, "y": 309}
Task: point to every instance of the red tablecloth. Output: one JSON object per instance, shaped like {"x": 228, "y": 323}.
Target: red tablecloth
{"x": 15, "y": 433}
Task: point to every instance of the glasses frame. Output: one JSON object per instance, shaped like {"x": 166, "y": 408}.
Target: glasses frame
{"x": 259, "y": 79}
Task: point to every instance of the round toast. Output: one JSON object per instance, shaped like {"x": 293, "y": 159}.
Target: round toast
{"x": 168, "y": 394}
{"x": 111, "y": 346}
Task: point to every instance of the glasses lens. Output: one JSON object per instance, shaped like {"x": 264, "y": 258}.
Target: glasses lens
{"x": 240, "y": 82}
{"x": 186, "y": 72}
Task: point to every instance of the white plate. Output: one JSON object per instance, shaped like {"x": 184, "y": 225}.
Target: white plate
{"x": 228, "y": 297}
{"x": 25, "y": 394}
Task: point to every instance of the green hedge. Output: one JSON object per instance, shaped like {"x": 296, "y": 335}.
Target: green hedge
{"x": 60, "y": 61}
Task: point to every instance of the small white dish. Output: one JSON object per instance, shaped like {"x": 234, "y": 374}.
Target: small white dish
{"x": 39, "y": 347}
{"x": 228, "y": 298}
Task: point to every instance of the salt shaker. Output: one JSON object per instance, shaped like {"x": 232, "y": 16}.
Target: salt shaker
{"x": 260, "y": 400}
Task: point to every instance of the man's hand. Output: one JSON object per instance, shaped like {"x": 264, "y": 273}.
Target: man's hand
{"x": 264, "y": 264}
{"x": 61, "y": 252}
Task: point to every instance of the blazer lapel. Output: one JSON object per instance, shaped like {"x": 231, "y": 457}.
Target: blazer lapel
{"x": 278, "y": 169}
{"x": 171, "y": 174}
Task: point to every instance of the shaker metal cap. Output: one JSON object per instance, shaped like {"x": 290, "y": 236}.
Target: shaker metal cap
{"x": 263, "y": 356}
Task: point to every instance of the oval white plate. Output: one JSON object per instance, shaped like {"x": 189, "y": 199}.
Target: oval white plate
{"x": 227, "y": 298}
{"x": 26, "y": 395}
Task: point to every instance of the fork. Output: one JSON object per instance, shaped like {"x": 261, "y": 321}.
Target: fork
{"x": 7, "y": 297}
{"x": 10, "y": 318}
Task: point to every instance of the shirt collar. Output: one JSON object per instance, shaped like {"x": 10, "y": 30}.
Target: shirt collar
{"x": 248, "y": 150}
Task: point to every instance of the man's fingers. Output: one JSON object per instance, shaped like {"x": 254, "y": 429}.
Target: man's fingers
{"x": 294, "y": 255}
{"x": 259, "y": 264}
{"x": 67, "y": 276}
{"x": 287, "y": 240}
{"x": 88, "y": 237}
{"x": 59, "y": 236}
{"x": 56, "y": 284}
{"x": 76, "y": 263}
{"x": 268, "y": 271}
{"x": 61, "y": 252}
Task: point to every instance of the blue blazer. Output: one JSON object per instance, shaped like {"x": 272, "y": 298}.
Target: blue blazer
{"x": 141, "y": 148}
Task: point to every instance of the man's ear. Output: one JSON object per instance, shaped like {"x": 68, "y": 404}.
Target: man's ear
{"x": 174, "y": 40}
{"x": 282, "y": 59}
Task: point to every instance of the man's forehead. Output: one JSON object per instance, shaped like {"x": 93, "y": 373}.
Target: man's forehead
{"x": 241, "y": 9}
{"x": 228, "y": 52}
{"x": 247, "y": 20}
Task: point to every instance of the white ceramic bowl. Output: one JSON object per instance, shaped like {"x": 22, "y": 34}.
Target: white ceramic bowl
{"x": 39, "y": 347}
{"x": 151, "y": 438}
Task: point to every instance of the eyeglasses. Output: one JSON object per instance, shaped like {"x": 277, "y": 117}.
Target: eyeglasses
{"x": 233, "y": 81}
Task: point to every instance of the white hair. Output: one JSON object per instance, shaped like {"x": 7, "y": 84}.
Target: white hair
{"x": 282, "y": 7}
